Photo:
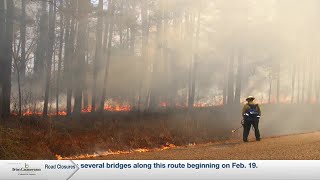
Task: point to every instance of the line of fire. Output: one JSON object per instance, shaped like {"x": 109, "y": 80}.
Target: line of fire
{"x": 83, "y": 79}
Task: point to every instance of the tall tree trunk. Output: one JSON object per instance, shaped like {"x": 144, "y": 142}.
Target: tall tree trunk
{"x": 293, "y": 83}
{"x": 42, "y": 45}
{"x": 303, "y": 83}
{"x": 190, "y": 38}
{"x": 195, "y": 62}
{"x": 2, "y": 57}
{"x": 121, "y": 36}
{"x": 85, "y": 89}
{"x": 71, "y": 55}
{"x": 16, "y": 65}
{"x": 7, "y": 59}
{"x": 270, "y": 88}
{"x": 107, "y": 23}
{"x": 59, "y": 57}
{"x": 299, "y": 77}
{"x": 106, "y": 70}
{"x": 132, "y": 40}
{"x": 310, "y": 82}
{"x": 144, "y": 30}
{"x": 132, "y": 31}
{"x": 278, "y": 83}
{"x": 67, "y": 53}
{"x": 106, "y": 35}
{"x": 49, "y": 56}
{"x": 79, "y": 74}
{"x": 317, "y": 84}
{"x": 127, "y": 44}
{"x": 154, "y": 93}
{"x": 193, "y": 81}
{"x": 23, "y": 29}
{"x": 230, "y": 98}
{"x": 224, "y": 84}
{"x": 85, "y": 98}
{"x": 239, "y": 79}
{"x": 98, "y": 54}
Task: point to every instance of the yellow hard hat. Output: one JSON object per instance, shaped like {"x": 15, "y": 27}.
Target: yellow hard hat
{"x": 250, "y": 98}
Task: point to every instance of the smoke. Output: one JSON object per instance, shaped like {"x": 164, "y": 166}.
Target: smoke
{"x": 270, "y": 46}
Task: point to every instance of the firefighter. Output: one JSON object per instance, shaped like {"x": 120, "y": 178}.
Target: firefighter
{"x": 251, "y": 115}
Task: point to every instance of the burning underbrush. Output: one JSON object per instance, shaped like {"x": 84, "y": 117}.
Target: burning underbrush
{"x": 110, "y": 152}
{"x": 91, "y": 135}
{"x": 110, "y": 133}
{"x": 107, "y": 108}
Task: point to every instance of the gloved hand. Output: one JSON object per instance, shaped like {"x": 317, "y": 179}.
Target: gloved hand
{"x": 242, "y": 122}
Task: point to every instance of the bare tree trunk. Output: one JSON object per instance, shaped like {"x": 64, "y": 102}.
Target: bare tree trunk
{"x": 224, "y": 90}
{"x": 85, "y": 89}
{"x": 132, "y": 31}
{"x": 230, "y": 98}
{"x": 239, "y": 79}
{"x": 23, "y": 29}
{"x": 303, "y": 83}
{"x": 16, "y": 64}
{"x": 270, "y": 88}
{"x": 42, "y": 45}
{"x": 85, "y": 98}
{"x": 71, "y": 55}
{"x": 154, "y": 80}
{"x": 60, "y": 57}
{"x": 299, "y": 76}
{"x": 106, "y": 23}
{"x": 191, "y": 92}
{"x": 7, "y": 59}
{"x": 310, "y": 83}
{"x": 193, "y": 81}
{"x": 49, "y": 56}
{"x": 317, "y": 84}
{"x": 145, "y": 39}
{"x": 132, "y": 40}
{"x": 2, "y": 57}
{"x": 278, "y": 83}
{"x": 120, "y": 36}
{"x": 106, "y": 70}
{"x": 67, "y": 27}
{"x": 293, "y": 83}
{"x": 98, "y": 54}
{"x": 83, "y": 6}
{"x": 195, "y": 62}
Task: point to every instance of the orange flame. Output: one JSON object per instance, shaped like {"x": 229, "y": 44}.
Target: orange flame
{"x": 109, "y": 152}
{"x": 113, "y": 108}
{"x": 117, "y": 108}
{"x": 163, "y": 104}
{"x": 201, "y": 105}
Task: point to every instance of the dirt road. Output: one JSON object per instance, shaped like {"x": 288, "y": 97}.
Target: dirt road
{"x": 292, "y": 147}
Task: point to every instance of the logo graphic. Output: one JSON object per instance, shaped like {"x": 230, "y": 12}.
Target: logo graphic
{"x": 26, "y": 169}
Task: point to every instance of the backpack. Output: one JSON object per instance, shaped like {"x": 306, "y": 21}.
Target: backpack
{"x": 252, "y": 114}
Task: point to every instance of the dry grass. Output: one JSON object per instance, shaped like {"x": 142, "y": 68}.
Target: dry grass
{"x": 38, "y": 138}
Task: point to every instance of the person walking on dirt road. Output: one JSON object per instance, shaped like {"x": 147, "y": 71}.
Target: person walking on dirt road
{"x": 251, "y": 115}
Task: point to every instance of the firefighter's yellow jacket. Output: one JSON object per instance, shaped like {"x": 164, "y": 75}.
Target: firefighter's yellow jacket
{"x": 246, "y": 107}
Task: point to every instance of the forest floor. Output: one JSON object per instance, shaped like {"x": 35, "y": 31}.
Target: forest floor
{"x": 289, "y": 147}
{"x": 34, "y": 137}
{"x": 204, "y": 133}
